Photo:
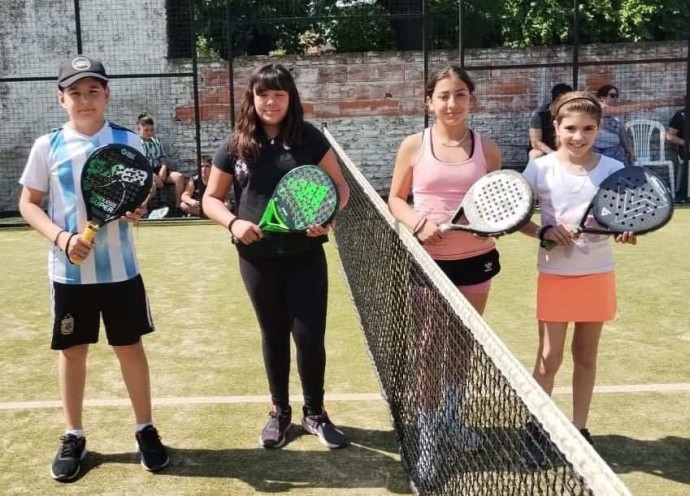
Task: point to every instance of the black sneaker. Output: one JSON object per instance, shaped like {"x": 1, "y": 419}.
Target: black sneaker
{"x": 585, "y": 433}
{"x": 536, "y": 444}
{"x": 273, "y": 434}
{"x": 154, "y": 456}
{"x": 320, "y": 425}
{"x": 67, "y": 463}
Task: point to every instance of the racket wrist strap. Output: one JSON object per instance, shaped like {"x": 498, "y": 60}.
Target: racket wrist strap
{"x": 541, "y": 232}
{"x": 69, "y": 240}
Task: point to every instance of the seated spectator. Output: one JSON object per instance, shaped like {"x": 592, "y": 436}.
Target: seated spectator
{"x": 675, "y": 135}
{"x": 191, "y": 196}
{"x": 613, "y": 141}
{"x": 163, "y": 174}
{"x": 542, "y": 135}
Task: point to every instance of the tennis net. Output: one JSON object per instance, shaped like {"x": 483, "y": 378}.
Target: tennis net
{"x": 469, "y": 418}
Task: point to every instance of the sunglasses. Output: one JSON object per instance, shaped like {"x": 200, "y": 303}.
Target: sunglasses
{"x": 612, "y": 95}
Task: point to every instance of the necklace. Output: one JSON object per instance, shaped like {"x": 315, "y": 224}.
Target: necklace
{"x": 460, "y": 142}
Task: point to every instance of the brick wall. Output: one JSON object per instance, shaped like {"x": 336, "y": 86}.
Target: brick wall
{"x": 372, "y": 100}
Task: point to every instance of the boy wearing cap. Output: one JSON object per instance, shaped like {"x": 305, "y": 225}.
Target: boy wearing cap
{"x": 89, "y": 280}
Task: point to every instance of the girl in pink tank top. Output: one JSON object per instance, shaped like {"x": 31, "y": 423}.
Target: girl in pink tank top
{"x": 438, "y": 166}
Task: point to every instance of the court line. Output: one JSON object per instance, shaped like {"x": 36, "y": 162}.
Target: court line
{"x": 347, "y": 397}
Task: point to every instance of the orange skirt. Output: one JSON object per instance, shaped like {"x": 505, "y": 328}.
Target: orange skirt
{"x": 587, "y": 298}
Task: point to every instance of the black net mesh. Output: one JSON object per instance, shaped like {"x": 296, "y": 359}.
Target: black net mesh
{"x": 469, "y": 418}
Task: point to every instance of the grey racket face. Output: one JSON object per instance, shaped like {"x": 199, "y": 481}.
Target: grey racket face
{"x": 632, "y": 199}
{"x": 500, "y": 202}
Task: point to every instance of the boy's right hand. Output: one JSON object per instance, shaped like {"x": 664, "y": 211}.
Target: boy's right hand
{"x": 77, "y": 248}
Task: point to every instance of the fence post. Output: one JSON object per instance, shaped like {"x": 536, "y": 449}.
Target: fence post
{"x": 576, "y": 43}
{"x": 77, "y": 25}
{"x": 686, "y": 127}
{"x": 195, "y": 83}
{"x": 461, "y": 47}
{"x": 425, "y": 52}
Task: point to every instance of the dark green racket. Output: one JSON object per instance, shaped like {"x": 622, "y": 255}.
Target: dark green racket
{"x": 115, "y": 179}
{"x": 304, "y": 197}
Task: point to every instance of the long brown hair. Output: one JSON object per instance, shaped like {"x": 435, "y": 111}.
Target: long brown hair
{"x": 247, "y": 136}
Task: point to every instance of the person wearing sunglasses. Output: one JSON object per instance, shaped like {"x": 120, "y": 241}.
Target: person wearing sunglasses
{"x": 613, "y": 141}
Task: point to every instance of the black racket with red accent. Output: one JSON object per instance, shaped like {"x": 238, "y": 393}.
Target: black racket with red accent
{"x": 115, "y": 179}
{"x": 632, "y": 199}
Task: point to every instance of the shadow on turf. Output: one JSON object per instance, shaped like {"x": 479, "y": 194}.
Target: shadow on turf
{"x": 365, "y": 463}
{"x": 668, "y": 457}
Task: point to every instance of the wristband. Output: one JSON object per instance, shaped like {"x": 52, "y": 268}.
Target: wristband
{"x": 234, "y": 219}
{"x": 57, "y": 237}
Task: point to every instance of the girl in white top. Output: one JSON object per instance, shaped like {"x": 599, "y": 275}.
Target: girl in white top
{"x": 576, "y": 280}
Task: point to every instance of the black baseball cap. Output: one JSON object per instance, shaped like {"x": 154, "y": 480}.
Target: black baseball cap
{"x": 76, "y": 68}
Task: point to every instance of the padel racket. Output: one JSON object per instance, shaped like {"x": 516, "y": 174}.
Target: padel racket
{"x": 116, "y": 179}
{"x": 500, "y": 202}
{"x": 159, "y": 213}
{"x": 304, "y": 197}
{"x": 631, "y": 199}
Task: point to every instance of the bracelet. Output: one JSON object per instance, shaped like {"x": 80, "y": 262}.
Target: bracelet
{"x": 67, "y": 247}
{"x": 416, "y": 226}
{"x": 57, "y": 237}
{"x": 420, "y": 225}
{"x": 234, "y": 219}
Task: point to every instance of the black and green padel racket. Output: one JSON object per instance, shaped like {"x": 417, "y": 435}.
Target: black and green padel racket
{"x": 304, "y": 197}
{"x": 115, "y": 179}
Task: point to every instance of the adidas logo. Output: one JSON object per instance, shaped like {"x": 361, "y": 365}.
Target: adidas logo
{"x": 488, "y": 266}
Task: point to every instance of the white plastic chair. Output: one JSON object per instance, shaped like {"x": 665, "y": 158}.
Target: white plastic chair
{"x": 643, "y": 136}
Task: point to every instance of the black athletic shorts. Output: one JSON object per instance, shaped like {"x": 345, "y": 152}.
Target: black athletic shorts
{"x": 475, "y": 270}
{"x": 78, "y": 308}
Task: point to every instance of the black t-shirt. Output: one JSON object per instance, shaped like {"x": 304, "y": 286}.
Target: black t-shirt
{"x": 254, "y": 183}
{"x": 678, "y": 122}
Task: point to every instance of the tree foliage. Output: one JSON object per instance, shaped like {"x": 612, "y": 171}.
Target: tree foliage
{"x": 363, "y": 25}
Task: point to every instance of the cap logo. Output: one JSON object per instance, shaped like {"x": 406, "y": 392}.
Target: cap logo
{"x": 81, "y": 64}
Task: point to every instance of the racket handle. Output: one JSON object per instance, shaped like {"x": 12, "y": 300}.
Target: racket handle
{"x": 548, "y": 244}
{"x": 90, "y": 232}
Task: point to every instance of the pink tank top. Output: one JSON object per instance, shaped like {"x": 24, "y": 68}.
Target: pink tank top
{"x": 438, "y": 188}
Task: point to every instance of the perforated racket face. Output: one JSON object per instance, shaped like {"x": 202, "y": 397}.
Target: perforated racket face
{"x": 633, "y": 199}
{"x": 499, "y": 203}
{"x": 116, "y": 178}
{"x": 305, "y": 196}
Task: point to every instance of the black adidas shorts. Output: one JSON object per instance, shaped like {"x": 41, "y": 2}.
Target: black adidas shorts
{"x": 475, "y": 270}
{"x": 78, "y": 308}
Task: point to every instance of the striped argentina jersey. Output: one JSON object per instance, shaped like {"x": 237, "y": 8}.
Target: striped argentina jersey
{"x": 154, "y": 152}
{"x": 54, "y": 167}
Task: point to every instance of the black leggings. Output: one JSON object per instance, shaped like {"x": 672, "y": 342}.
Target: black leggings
{"x": 290, "y": 294}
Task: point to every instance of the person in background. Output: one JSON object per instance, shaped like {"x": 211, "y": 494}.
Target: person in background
{"x": 542, "y": 135}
